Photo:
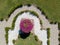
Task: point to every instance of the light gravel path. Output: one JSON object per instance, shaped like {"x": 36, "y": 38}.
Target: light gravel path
{"x": 54, "y": 28}
{"x": 2, "y": 33}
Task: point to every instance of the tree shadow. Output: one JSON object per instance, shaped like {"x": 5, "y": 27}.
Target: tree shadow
{"x": 23, "y": 35}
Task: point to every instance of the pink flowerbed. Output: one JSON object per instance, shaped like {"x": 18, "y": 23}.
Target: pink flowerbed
{"x": 26, "y": 25}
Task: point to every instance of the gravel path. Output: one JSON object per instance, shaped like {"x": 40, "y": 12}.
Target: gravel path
{"x": 54, "y": 28}
{"x": 2, "y": 33}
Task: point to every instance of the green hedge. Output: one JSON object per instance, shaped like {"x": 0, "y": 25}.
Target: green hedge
{"x": 59, "y": 26}
{"x": 48, "y": 42}
{"x": 48, "y": 33}
{"x": 6, "y": 35}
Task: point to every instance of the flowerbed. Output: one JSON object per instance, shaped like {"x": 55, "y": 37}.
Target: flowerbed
{"x": 26, "y": 25}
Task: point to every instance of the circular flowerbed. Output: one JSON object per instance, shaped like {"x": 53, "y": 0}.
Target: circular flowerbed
{"x": 26, "y": 25}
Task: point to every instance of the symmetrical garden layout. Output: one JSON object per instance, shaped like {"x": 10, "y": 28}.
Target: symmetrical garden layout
{"x": 28, "y": 26}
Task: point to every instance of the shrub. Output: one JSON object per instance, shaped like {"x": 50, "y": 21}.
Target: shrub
{"x": 46, "y": 17}
{"x": 51, "y": 22}
{"x": 59, "y": 34}
{"x": 18, "y": 36}
{"x": 28, "y": 5}
{"x": 48, "y": 33}
{"x": 36, "y": 38}
{"x": 1, "y": 19}
{"x": 59, "y": 38}
{"x": 20, "y": 5}
{"x": 39, "y": 8}
{"x": 48, "y": 42}
{"x": 41, "y": 22}
{"x": 43, "y": 13}
{"x": 13, "y": 41}
{"x": 59, "y": 44}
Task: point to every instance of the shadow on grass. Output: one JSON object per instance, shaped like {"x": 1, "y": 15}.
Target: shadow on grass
{"x": 23, "y": 35}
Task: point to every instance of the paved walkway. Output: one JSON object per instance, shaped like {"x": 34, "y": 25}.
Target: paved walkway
{"x": 54, "y": 28}
{"x": 2, "y": 33}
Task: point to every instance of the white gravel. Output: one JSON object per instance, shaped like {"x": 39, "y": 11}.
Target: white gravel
{"x": 13, "y": 34}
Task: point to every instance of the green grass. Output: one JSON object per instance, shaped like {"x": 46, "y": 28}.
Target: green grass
{"x": 50, "y": 7}
{"x": 28, "y": 41}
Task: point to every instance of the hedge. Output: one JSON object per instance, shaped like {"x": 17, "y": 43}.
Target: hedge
{"x": 48, "y": 33}
{"x": 6, "y": 35}
{"x": 48, "y": 42}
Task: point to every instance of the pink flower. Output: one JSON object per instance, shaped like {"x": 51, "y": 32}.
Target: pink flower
{"x": 26, "y": 25}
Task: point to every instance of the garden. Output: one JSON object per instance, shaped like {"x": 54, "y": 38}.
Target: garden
{"x": 25, "y": 25}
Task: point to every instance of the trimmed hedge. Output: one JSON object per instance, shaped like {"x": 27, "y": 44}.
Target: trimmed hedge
{"x": 59, "y": 26}
{"x": 6, "y": 35}
{"x": 48, "y": 42}
{"x": 48, "y": 33}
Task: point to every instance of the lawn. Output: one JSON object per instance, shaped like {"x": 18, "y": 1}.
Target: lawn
{"x": 28, "y": 41}
{"x": 51, "y": 8}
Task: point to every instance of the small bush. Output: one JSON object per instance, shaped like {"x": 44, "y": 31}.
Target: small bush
{"x": 28, "y": 5}
{"x": 36, "y": 38}
{"x": 1, "y": 19}
{"x": 59, "y": 44}
{"x": 59, "y": 38}
{"x": 39, "y": 8}
{"x": 43, "y": 13}
{"x": 59, "y": 34}
{"x": 41, "y": 22}
{"x": 13, "y": 41}
{"x": 51, "y": 22}
{"x": 18, "y": 36}
{"x": 20, "y": 5}
{"x": 46, "y": 17}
